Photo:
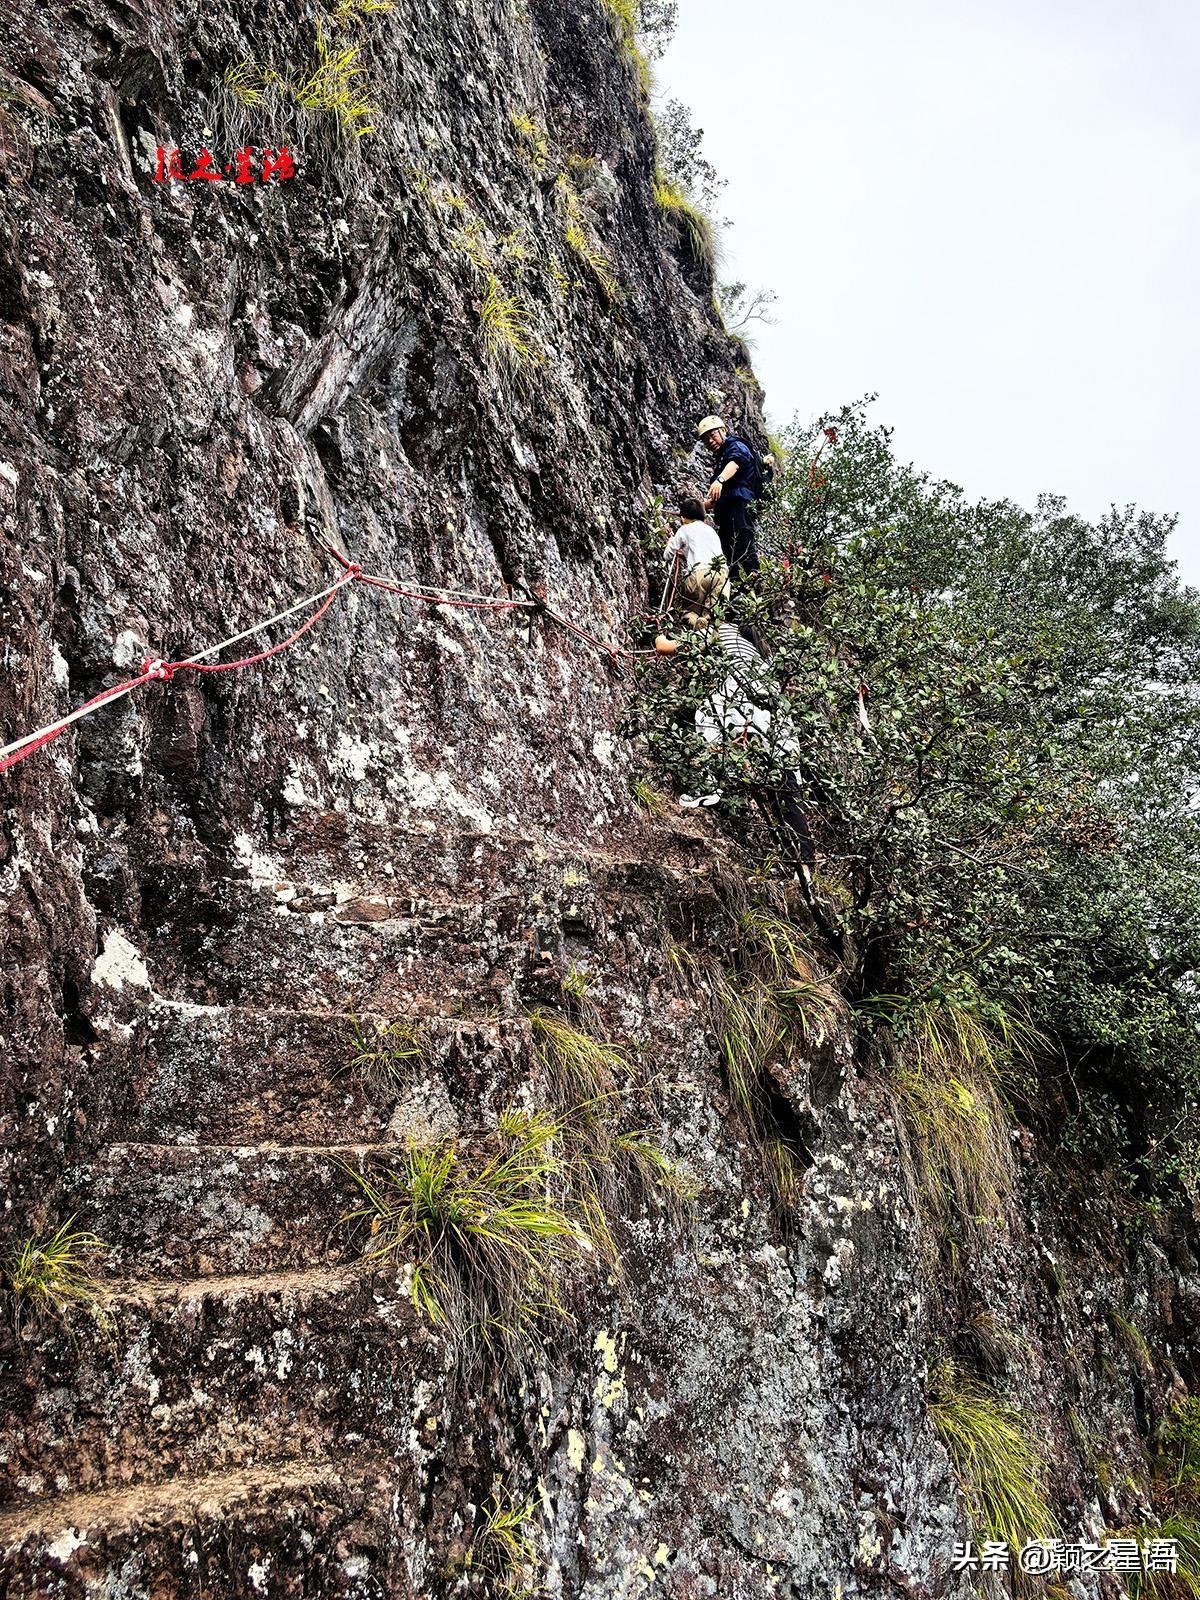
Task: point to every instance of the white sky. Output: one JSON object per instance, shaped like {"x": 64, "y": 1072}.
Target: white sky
{"x": 986, "y": 210}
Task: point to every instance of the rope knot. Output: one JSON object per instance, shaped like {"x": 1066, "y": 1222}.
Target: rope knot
{"x": 156, "y": 668}
{"x": 353, "y": 570}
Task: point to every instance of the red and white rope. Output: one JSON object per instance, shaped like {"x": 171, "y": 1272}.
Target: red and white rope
{"x": 155, "y": 669}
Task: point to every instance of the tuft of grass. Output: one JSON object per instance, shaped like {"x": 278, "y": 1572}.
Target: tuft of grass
{"x": 249, "y": 83}
{"x": 534, "y": 141}
{"x": 1180, "y": 1435}
{"x": 648, "y": 799}
{"x": 504, "y": 325}
{"x": 775, "y": 1001}
{"x": 654, "y": 1166}
{"x": 589, "y": 252}
{"x": 782, "y": 1170}
{"x": 493, "y": 1233}
{"x": 998, "y": 1346}
{"x": 624, "y": 14}
{"x": 693, "y": 228}
{"x": 502, "y": 1552}
{"x": 333, "y": 86}
{"x": 1134, "y": 1341}
{"x": 578, "y": 984}
{"x": 952, "y": 1057}
{"x": 471, "y": 240}
{"x": 514, "y": 247}
{"x": 997, "y": 1460}
{"x": 580, "y": 241}
{"x": 381, "y": 1056}
{"x": 1184, "y": 1583}
{"x": 346, "y": 12}
{"x": 580, "y": 1067}
{"x": 51, "y": 1278}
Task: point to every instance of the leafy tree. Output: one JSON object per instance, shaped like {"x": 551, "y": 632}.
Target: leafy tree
{"x": 1018, "y": 826}
{"x": 681, "y": 160}
{"x": 741, "y": 305}
{"x": 657, "y": 20}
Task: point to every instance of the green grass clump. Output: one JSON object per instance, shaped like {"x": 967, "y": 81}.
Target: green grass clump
{"x": 333, "y": 86}
{"x": 656, "y": 1168}
{"x": 330, "y": 88}
{"x": 502, "y": 1552}
{"x": 1181, "y": 1441}
{"x": 533, "y": 139}
{"x": 589, "y": 252}
{"x": 471, "y": 240}
{"x": 492, "y": 1231}
{"x": 580, "y": 241}
{"x": 692, "y": 226}
{"x": 1134, "y": 1341}
{"x": 952, "y": 1056}
{"x": 624, "y": 14}
{"x": 582, "y": 1069}
{"x": 51, "y": 1278}
{"x": 504, "y": 326}
{"x": 997, "y": 1460}
{"x": 648, "y": 799}
{"x": 783, "y": 1171}
{"x": 381, "y": 1054}
{"x": 775, "y": 1001}
{"x": 1184, "y": 1583}
{"x": 578, "y": 984}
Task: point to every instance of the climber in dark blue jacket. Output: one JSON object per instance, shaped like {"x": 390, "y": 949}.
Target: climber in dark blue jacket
{"x": 736, "y": 484}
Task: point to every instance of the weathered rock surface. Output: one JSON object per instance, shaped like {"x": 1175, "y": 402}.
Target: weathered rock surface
{"x": 418, "y": 814}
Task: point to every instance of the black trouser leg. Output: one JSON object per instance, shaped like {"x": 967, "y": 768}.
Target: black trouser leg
{"x": 736, "y": 532}
{"x": 794, "y": 820}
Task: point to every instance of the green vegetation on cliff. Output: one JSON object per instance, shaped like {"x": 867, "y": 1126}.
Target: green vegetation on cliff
{"x": 1014, "y": 837}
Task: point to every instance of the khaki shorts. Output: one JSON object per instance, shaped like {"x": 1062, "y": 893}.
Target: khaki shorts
{"x": 699, "y": 591}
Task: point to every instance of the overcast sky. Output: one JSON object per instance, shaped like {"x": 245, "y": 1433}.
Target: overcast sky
{"x": 986, "y": 210}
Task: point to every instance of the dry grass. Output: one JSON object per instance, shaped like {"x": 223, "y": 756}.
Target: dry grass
{"x": 950, "y": 1060}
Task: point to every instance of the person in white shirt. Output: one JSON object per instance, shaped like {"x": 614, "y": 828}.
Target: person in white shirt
{"x": 703, "y": 577}
{"x": 741, "y": 707}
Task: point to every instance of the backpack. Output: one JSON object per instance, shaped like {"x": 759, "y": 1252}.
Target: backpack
{"x": 754, "y": 473}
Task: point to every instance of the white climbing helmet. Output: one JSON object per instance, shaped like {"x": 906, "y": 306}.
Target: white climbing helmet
{"x": 708, "y": 424}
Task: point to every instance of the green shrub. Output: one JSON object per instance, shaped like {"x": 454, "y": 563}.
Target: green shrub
{"x": 1017, "y": 810}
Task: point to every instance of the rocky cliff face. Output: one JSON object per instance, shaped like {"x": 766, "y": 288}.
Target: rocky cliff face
{"x": 465, "y": 349}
